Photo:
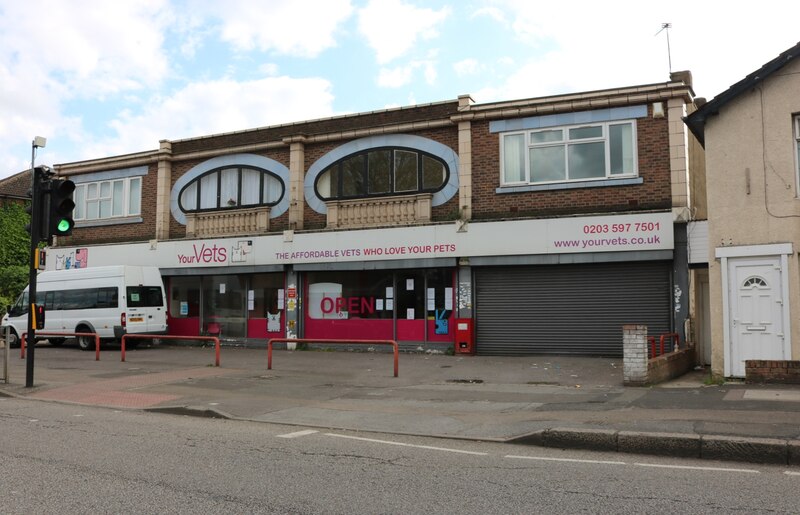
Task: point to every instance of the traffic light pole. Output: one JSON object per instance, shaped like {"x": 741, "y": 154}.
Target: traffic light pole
{"x": 36, "y": 228}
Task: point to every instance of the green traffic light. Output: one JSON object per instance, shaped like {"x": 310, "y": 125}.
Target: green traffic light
{"x": 63, "y": 225}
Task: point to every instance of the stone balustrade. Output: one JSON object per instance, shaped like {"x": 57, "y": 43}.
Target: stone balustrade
{"x": 380, "y": 211}
{"x": 228, "y": 222}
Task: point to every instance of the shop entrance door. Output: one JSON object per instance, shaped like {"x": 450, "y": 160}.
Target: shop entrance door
{"x": 410, "y": 307}
{"x": 224, "y": 305}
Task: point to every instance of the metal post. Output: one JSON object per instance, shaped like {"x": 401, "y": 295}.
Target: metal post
{"x": 6, "y": 352}
{"x": 36, "y": 228}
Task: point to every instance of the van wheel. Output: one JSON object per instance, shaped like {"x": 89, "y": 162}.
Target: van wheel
{"x": 85, "y": 342}
{"x": 13, "y": 339}
{"x": 56, "y": 342}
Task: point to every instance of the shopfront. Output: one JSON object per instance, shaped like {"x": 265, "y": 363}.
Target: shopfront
{"x": 228, "y": 305}
{"x": 414, "y": 305}
{"x": 530, "y": 286}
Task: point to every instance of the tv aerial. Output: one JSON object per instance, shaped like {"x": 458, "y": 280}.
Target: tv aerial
{"x": 665, "y": 28}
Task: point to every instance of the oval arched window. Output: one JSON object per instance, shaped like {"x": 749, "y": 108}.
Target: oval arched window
{"x": 231, "y": 188}
{"x": 382, "y": 172}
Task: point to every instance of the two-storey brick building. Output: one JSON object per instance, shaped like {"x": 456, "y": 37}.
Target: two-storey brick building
{"x": 547, "y": 222}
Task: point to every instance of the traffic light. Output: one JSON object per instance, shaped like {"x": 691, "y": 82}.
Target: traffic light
{"x": 37, "y": 209}
{"x": 38, "y": 316}
{"x": 60, "y": 222}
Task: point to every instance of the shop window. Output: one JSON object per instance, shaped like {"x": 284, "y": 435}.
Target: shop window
{"x": 231, "y": 188}
{"x": 184, "y": 297}
{"x": 413, "y": 294}
{"x": 267, "y": 293}
{"x": 569, "y": 153}
{"x": 382, "y": 172}
{"x": 348, "y": 295}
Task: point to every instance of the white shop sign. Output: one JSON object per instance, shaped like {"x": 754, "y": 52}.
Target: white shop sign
{"x": 614, "y": 233}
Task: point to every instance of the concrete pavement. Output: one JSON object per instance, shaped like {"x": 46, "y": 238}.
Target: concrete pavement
{"x": 555, "y": 401}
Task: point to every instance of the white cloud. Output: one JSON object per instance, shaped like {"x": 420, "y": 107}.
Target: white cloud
{"x": 393, "y": 27}
{"x": 395, "y": 77}
{"x": 215, "y": 107}
{"x": 400, "y": 76}
{"x": 55, "y": 52}
{"x": 491, "y": 12}
{"x": 599, "y": 49}
{"x": 285, "y": 26}
{"x": 466, "y": 67}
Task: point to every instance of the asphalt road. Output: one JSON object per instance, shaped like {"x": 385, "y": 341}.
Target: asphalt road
{"x": 57, "y": 458}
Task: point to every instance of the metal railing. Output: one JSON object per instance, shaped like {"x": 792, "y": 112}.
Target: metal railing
{"x": 41, "y": 333}
{"x": 676, "y": 344}
{"x": 393, "y": 343}
{"x": 165, "y": 337}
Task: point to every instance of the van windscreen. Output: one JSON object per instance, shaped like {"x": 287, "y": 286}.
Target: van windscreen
{"x": 144, "y": 297}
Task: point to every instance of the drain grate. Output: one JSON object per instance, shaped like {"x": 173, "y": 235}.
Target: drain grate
{"x": 465, "y": 381}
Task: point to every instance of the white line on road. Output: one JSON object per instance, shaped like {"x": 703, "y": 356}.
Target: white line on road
{"x": 539, "y": 458}
{"x": 298, "y": 434}
{"x": 687, "y": 467}
{"x": 401, "y": 444}
{"x": 791, "y": 473}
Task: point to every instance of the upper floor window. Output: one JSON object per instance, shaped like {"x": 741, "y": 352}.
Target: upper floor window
{"x": 797, "y": 142}
{"x": 108, "y": 199}
{"x": 569, "y": 153}
{"x": 381, "y": 172}
{"x": 229, "y": 188}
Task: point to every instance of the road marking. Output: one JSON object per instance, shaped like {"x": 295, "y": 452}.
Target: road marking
{"x": 401, "y": 444}
{"x": 568, "y": 460}
{"x": 791, "y": 473}
{"x": 687, "y": 467}
{"x": 298, "y": 434}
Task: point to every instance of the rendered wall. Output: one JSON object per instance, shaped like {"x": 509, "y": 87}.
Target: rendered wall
{"x": 752, "y": 186}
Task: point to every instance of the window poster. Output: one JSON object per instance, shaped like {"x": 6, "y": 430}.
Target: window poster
{"x": 389, "y": 304}
{"x": 409, "y": 284}
{"x": 410, "y": 313}
{"x": 448, "y": 298}
{"x": 389, "y": 292}
{"x": 379, "y": 304}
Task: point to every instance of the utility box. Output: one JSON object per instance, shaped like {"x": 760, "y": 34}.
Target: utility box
{"x": 465, "y": 336}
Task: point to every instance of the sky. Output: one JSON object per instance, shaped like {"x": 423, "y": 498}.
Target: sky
{"x": 106, "y": 78}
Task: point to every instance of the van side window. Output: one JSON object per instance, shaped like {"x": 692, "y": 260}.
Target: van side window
{"x": 86, "y": 298}
{"x": 145, "y": 297}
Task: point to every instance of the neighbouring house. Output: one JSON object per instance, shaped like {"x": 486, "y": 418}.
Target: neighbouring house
{"x": 530, "y": 226}
{"x": 15, "y": 189}
{"x": 751, "y": 136}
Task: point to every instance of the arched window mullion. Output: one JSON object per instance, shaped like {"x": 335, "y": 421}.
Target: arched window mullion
{"x": 239, "y": 173}
{"x": 219, "y": 187}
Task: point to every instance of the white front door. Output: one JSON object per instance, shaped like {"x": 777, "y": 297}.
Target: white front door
{"x": 756, "y": 297}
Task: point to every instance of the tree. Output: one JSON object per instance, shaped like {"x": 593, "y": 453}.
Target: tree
{"x": 14, "y": 253}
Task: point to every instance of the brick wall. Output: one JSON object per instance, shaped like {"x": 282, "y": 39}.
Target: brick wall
{"x": 638, "y": 370}
{"x": 772, "y": 371}
{"x": 143, "y": 231}
{"x": 654, "y": 193}
{"x": 671, "y": 365}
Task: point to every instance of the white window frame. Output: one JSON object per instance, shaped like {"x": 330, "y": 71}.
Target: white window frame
{"x": 82, "y": 211}
{"x": 796, "y": 152}
{"x": 565, "y": 142}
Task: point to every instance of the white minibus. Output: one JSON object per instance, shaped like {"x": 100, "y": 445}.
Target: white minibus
{"x": 107, "y": 300}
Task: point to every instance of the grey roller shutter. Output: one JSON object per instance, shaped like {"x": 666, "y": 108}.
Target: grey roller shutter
{"x": 568, "y": 309}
